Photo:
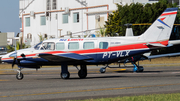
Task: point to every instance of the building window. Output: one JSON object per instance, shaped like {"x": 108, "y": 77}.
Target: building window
{"x": 45, "y": 36}
{"x": 29, "y": 36}
{"x": 65, "y": 18}
{"x": 27, "y": 21}
{"x": 73, "y": 45}
{"x": 60, "y": 46}
{"x": 54, "y": 4}
{"x": 43, "y": 20}
{"x": 48, "y": 5}
{"x": 76, "y": 17}
{"x": 103, "y": 45}
{"x": 88, "y": 45}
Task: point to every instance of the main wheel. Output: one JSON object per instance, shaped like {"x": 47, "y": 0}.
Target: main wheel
{"x": 102, "y": 70}
{"x": 65, "y": 75}
{"x": 19, "y": 76}
{"x": 140, "y": 69}
{"x": 82, "y": 74}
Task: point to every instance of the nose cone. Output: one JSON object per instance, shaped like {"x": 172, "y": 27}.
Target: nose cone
{"x": 6, "y": 58}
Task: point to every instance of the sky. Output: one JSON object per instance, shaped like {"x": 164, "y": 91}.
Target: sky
{"x": 9, "y": 16}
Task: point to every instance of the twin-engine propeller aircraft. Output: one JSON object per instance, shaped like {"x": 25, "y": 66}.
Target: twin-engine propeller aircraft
{"x": 94, "y": 51}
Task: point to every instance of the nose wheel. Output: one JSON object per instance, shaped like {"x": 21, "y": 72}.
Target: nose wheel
{"x": 19, "y": 75}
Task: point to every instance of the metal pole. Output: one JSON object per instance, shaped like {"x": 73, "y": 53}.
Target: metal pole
{"x": 82, "y": 19}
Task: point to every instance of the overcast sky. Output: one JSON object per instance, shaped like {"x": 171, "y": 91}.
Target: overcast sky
{"x": 9, "y": 16}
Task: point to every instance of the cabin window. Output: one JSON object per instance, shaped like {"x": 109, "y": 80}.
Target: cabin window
{"x": 27, "y": 21}
{"x": 88, "y": 45}
{"x": 73, "y": 45}
{"x": 60, "y": 46}
{"x": 103, "y": 45}
{"x": 48, "y": 46}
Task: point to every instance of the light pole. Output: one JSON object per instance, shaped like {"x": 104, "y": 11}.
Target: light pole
{"x": 83, "y": 3}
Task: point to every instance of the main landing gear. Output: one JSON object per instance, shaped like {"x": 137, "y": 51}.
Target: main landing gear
{"x": 137, "y": 68}
{"x": 19, "y": 75}
{"x": 65, "y": 73}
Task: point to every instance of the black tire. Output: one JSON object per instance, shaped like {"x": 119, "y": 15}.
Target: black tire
{"x": 19, "y": 76}
{"x": 65, "y": 75}
{"x": 102, "y": 70}
{"x": 82, "y": 74}
{"x": 140, "y": 69}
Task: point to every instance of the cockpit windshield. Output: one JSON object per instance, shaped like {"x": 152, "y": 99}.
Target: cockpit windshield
{"x": 38, "y": 46}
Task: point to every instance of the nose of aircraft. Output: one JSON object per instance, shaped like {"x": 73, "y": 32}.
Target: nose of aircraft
{"x": 7, "y": 57}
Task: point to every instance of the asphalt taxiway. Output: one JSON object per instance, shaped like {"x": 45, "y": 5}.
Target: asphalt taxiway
{"x": 46, "y": 84}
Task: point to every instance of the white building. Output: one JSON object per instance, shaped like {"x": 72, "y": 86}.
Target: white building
{"x": 56, "y": 18}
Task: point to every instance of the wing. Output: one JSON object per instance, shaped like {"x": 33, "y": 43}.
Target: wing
{"x": 64, "y": 57}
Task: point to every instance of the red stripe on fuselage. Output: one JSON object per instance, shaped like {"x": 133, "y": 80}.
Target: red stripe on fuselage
{"x": 168, "y": 13}
{"x": 97, "y": 50}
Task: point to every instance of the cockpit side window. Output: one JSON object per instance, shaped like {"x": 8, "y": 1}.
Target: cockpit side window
{"x": 48, "y": 46}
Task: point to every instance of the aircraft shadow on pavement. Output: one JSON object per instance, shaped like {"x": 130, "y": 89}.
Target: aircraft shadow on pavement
{"x": 139, "y": 72}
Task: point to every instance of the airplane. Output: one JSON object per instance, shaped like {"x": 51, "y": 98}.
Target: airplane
{"x": 93, "y": 51}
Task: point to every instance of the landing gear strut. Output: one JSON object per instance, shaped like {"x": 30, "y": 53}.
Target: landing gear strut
{"x": 137, "y": 68}
{"x": 103, "y": 70}
{"x": 64, "y": 72}
{"x": 83, "y": 71}
{"x": 19, "y": 75}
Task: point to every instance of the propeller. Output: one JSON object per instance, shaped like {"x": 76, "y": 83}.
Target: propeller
{"x": 15, "y": 56}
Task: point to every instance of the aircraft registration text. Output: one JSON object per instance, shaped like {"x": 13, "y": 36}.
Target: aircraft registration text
{"x": 116, "y": 54}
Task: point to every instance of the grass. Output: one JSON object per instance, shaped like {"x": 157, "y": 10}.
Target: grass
{"x": 165, "y": 61}
{"x": 152, "y": 97}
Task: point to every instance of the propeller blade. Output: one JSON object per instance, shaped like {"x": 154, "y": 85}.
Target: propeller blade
{"x": 14, "y": 61}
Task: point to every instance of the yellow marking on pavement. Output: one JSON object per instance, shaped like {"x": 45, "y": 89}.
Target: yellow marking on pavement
{"x": 1, "y": 72}
{"x": 89, "y": 90}
{"x": 3, "y": 80}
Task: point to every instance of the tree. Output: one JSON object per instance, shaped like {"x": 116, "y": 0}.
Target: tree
{"x": 135, "y": 13}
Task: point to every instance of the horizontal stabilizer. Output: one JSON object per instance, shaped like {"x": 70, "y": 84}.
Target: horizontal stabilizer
{"x": 163, "y": 55}
{"x": 155, "y": 44}
{"x": 174, "y": 42}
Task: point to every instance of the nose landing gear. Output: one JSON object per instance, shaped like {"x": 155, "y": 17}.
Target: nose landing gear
{"x": 19, "y": 75}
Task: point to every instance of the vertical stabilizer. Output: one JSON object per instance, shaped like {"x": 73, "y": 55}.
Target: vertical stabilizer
{"x": 161, "y": 29}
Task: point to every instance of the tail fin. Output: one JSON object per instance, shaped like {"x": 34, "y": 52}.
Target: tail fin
{"x": 161, "y": 29}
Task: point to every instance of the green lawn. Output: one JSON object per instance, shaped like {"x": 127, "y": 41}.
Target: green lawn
{"x": 152, "y": 97}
